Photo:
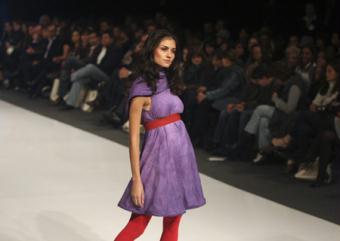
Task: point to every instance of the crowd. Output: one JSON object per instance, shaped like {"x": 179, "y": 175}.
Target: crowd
{"x": 250, "y": 97}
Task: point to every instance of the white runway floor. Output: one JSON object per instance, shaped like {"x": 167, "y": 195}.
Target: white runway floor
{"x": 59, "y": 183}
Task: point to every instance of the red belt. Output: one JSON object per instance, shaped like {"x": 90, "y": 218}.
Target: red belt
{"x": 161, "y": 121}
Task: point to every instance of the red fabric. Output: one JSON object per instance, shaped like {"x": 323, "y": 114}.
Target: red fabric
{"x": 162, "y": 121}
{"x": 170, "y": 228}
{"x": 138, "y": 223}
{"x": 134, "y": 228}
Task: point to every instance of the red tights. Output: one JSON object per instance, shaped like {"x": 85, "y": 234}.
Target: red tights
{"x": 138, "y": 223}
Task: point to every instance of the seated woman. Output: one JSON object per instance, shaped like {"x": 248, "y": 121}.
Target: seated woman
{"x": 319, "y": 119}
{"x": 322, "y": 151}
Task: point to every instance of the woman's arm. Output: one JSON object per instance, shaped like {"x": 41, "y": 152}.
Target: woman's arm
{"x": 66, "y": 52}
{"x": 135, "y": 113}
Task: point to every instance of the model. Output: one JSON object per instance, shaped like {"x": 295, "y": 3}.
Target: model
{"x": 165, "y": 180}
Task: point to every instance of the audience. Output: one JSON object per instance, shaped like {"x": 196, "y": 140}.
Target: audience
{"x": 257, "y": 97}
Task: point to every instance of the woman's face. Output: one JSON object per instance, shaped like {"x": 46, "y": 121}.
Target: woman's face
{"x": 331, "y": 74}
{"x": 164, "y": 54}
{"x": 209, "y": 49}
{"x": 197, "y": 60}
{"x": 239, "y": 50}
{"x": 257, "y": 53}
{"x": 75, "y": 37}
{"x": 8, "y": 27}
{"x": 252, "y": 42}
{"x": 321, "y": 60}
{"x": 185, "y": 53}
{"x": 85, "y": 38}
{"x": 16, "y": 26}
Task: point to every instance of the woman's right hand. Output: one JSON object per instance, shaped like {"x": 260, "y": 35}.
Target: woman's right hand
{"x": 137, "y": 193}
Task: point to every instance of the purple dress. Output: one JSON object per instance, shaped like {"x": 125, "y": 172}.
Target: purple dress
{"x": 168, "y": 164}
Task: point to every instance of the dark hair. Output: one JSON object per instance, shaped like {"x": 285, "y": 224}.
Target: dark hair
{"x": 197, "y": 54}
{"x": 335, "y": 64}
{"x": 218, "y": 55}
{"x": 281, "y": 71}
{"x": 263, "y": 70}
{"x": 92, "y": 31}
{"x": 149, "y": 70}
{"x": 310, "y": 47}
{"x": 229, "y": 54}
{"x": 107, "y": 32}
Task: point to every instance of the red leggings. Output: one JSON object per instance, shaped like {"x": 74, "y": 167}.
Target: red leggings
{"x": 138, "y": 223}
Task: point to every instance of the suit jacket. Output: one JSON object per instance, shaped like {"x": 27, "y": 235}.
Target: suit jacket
{"x": 111, "y": 59}
{"x": 55, "y": 50}
{"x": 231, "y": 88}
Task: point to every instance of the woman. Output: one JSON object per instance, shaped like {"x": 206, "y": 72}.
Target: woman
{"x": 315, "y": 125}
{"x": 165, "y": 180}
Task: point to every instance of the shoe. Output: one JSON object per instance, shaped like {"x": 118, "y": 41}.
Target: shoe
{"x": 326, "y": 179}
{"x": 125, "y": 127}
{"x": 307, "y": 174}
{"x": 319, "y": 182}
{"x": 6, "y": 83}
{"x": 258, "y": 158}
{"x": 45, "y": 91}
{"x": 216, "y": 158}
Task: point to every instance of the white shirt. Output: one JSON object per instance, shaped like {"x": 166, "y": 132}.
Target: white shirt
{"x": 50, "y": 41}
{"x": 101, "y": 55}
{"x": 327, "y": 98}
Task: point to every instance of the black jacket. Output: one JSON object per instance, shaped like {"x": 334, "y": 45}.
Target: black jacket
{"x": 230, "y": 89}
{"x": 111, "y": 59}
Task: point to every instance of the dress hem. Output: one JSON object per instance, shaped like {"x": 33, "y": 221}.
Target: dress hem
{"x": 160, "y": 214}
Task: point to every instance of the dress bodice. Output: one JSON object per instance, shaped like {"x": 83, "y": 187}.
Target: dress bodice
{"x": 163, "y": 102}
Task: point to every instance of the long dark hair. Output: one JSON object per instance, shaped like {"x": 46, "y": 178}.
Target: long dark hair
{"x": 149, "y": 70}
{"x": 335, "y": 64}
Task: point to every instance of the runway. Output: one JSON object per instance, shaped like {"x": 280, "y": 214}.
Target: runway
{"x": 58, "y": 182}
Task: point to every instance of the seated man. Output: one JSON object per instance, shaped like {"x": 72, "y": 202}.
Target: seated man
{"x": 54, "y": 53}
{"x": 95, "y": 72}
{"x": 79, "y": 57}
{"x": 288, "y": 99}
{"x": 212, "y": 102}
{"x": 234, "y": 118}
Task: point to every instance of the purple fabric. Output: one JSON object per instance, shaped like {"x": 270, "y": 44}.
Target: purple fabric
{"x": 168, "y": 163}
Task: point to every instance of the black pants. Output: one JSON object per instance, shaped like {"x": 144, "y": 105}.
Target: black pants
{"x": 204, "y": 122}
{"x": 308, "y": 126}
{"x": 188, "y": 98}
{"x": 324, "y": 146}
{"x": 230, "y": 126}
{"x": 113, "y": 93}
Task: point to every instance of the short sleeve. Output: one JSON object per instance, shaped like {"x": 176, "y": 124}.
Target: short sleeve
{"x": 138, "y": 88}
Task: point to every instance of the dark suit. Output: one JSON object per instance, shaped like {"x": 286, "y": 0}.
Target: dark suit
{"x": 230, "y": 90}
{"x": 94, "y": 73}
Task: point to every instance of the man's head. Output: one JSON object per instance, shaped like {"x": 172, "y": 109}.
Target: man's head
{"x": 262, "y": 75}
{"x": 107, "y": 38}
{"x": 51, "y": 31}
{"x": 228, "y": 58}
{"x": 197, "y": 58}
{"x": 93, "y": 38}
